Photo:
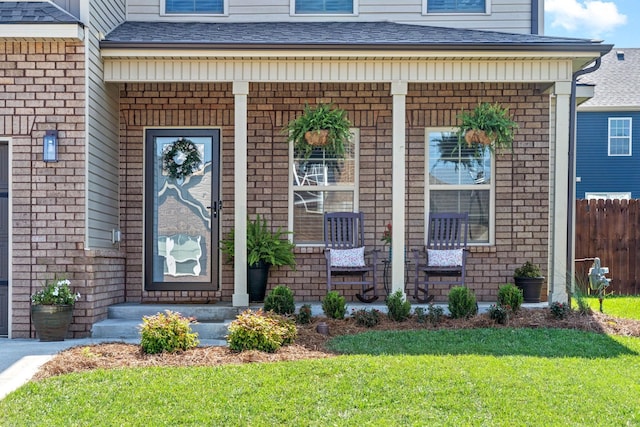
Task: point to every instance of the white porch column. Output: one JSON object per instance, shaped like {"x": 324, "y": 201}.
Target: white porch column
{"x": 398, "y": 188}
{"x": 559, "y": 270}
{"x": 240, "y": 295}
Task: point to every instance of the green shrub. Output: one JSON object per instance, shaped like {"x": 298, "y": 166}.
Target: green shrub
{"x": 510, "y": 296}
{"x": 499, "y": 313}
{"x": 280, "y": 301}
{"x": 367, "y": 318}
{"x": 260, "y": 331}
{"x": 398, "y": 307}
{"x": 334, "y": 305}
{"x": 304, "y": 314}
{"x": 169, "y": 332}
{"x": 432, "y": 315}
{"x": 462, "y": 302}
{"x": 435, "y": 314}
{"x": 559, "y": 310}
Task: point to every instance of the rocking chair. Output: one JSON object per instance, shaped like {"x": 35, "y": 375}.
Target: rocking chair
{"x": 446, "y": 254}
{"x": 345, "y": 253}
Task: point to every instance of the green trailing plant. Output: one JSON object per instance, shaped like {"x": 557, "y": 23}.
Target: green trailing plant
{"x": 280, "y": 300}
{"x": 495, "y": 126}
{"x": 273, "y": 248}
{"x": 366, "y": 318}
{"x": 334, "y": 305}
{"x": 528, "y": 269}
{"x": 462, "y": 302}
{"x": 499, "y": 313}
{"x": 167, "y": 332}
{"x": 304, "y": 314}
{"x": 257, "y": 330}
{"x": 398, "y": 308}
{"x": 510, "y": 295}
{"x": 314, "y": 120}
{"x": 559, "y": 310}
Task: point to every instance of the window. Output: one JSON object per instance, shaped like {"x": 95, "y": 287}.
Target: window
{"x": 194, "y": 6}
{"x": 456, "y": 6}
{"x": 608, "y": 196}
{"x": 620, "y": 136}
{"x": 321, "y": 184}
{"x": 324, "y": 7}
{"x": 460, "y": 180}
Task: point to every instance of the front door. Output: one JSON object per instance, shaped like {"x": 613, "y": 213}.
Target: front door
{"x": 181, "y": 209}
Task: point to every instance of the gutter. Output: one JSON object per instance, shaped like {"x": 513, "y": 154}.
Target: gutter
{"x": 571, "y": 202}
{"x": 511, "y": 47}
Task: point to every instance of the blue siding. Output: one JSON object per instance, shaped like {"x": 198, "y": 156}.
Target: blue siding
{"x": 598, "y": 171}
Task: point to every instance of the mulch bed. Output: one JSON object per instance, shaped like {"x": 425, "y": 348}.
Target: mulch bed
{"x": 311, "y": 344}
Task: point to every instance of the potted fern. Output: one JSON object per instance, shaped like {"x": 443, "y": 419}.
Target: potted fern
{"x": 265, "y": 248}
{"x": 320, "y": 127}
{"x": 487, "y": 126}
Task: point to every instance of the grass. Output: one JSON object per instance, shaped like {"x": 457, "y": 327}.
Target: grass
{"x": 451, "y": 378}
{"x": 626, "y": 307}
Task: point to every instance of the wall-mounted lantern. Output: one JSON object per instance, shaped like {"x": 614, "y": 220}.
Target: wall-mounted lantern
{"x": 50, "y": 146}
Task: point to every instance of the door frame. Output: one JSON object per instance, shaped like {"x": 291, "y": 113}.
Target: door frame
{"x": 147, "y": 244}
{"x": 8, "y": 319}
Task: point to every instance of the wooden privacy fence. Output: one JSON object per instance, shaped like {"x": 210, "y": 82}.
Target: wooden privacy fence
{"x": 610, "y": 230}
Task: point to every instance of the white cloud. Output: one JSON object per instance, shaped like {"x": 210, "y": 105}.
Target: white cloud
{"x": 592, "y": 17}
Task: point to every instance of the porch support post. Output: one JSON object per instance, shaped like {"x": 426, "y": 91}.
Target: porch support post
{"x": 559, "y": 270}
{"x": 240, "y": 295}
{"x": 398, "y": 188}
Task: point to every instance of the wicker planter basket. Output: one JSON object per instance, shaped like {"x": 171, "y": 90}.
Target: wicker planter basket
{"x": 477, "y": 137}
{"x": 317, "y": 138}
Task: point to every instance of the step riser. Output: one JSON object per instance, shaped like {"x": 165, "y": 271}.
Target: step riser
{"x": 204, "y": 313}
{"x": 124, "y": 320}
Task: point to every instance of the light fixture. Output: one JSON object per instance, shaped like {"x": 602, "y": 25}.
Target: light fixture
{"x": 50, "y": 146}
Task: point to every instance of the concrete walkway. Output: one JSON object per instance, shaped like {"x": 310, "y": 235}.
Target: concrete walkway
{"x": 20, "y": 359}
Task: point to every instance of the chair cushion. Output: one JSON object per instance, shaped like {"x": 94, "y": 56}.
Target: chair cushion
{"x": 347, "y": 257}
{"x": 444, "y": 258}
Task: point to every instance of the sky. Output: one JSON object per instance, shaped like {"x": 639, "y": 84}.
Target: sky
{"x": 614, "y": 21}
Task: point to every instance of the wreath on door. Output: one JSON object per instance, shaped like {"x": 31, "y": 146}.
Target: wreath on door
{"x": 181, "y": 158}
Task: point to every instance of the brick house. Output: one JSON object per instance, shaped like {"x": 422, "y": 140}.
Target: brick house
{"x": 120, "y": 80}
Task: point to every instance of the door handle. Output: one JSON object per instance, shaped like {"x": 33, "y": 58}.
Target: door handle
{"x": 216, "y": 205}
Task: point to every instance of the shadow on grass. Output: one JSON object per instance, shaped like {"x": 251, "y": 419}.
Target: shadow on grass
{"x": 488, "y": 341}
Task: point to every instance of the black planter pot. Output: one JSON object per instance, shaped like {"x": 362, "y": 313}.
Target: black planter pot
{"x": 257, "y": 276}
{"x": 531, "y": 287}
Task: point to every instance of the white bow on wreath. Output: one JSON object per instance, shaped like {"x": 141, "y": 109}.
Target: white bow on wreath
{"x": 181, "y": 159}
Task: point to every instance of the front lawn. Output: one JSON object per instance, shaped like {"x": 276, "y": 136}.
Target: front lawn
{"x": 454, "y": 378}
{"x": 626, "y": 307}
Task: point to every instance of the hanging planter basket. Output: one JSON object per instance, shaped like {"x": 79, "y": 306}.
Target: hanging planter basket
{"x": 317, "y": 138}
{"x": 474, "y": 136}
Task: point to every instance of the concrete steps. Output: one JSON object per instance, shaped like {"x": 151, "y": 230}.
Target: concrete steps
{"x": 124, "y": 320}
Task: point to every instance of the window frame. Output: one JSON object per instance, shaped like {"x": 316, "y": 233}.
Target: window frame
{"x": 163, "y": 11}
{"x": 293, "y": 12}
{"x": 487, "y": 10}
{"x": 428, "y": 187}
{"x": 355, "y": 188}
{"x": 629, "y": 138}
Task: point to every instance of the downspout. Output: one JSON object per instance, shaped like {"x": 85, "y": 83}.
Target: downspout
{"x": 571, "y": 203}
{"x": 535, "y": 17}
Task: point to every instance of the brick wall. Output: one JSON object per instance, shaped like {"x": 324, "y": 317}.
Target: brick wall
{"x": 42, "y": 88}
{"x": 521, "y": 228}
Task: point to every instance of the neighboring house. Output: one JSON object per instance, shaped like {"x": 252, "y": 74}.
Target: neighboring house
{"x": 120, "y": 80}
{"x": 608, "y": 130}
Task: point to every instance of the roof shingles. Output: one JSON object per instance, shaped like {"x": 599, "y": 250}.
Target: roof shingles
{"x": 312, "y": 34}
{"x": 33, "y": 12}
